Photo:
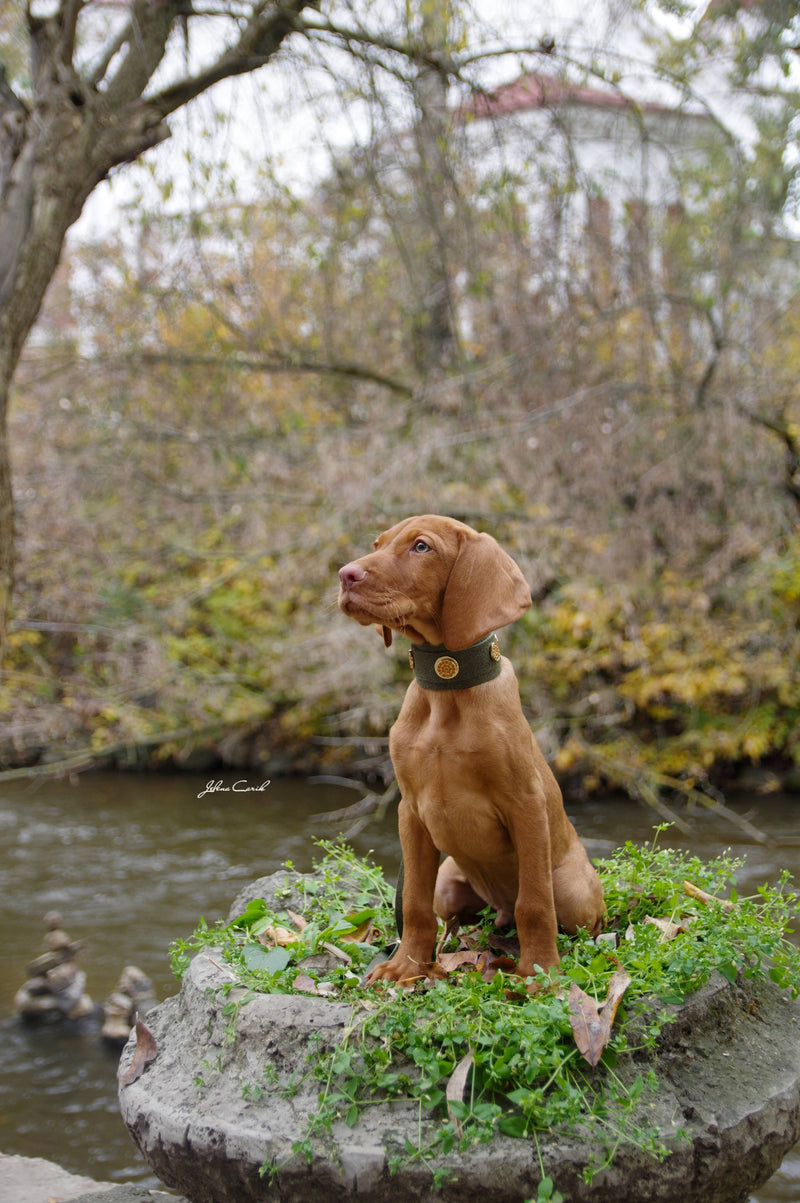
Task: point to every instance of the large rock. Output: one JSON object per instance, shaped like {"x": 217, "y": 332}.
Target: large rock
{"x": 33, "y": 1180}
{"x": 212, "y": 1108}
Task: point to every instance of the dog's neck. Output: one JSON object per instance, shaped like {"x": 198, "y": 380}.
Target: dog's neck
{"x": 436, "y": 667}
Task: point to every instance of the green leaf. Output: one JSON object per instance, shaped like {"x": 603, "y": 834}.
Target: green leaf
{"x": 513, "y": 1125}
{"x": 256, "y": 910}
{"x": 269, "y": 960}
{"x": 342, "y": 924}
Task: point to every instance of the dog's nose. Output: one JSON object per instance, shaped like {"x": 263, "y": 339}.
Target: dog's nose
{"x": 351, "y": 574}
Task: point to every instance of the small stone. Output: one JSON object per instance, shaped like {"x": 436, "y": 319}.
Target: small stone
{"x": 132, "y": 998}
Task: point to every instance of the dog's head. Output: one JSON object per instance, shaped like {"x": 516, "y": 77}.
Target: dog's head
{"x": 435, "y": 580}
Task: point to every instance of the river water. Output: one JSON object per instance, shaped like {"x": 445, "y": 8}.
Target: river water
{"x": 132, "y": 862}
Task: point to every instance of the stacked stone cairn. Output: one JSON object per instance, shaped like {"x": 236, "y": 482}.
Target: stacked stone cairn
{"x": 55, "y": 989}
{"x": 131, "y": 999}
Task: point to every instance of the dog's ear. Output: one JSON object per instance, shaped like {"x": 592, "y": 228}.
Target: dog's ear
{"x": 485, "y": 590}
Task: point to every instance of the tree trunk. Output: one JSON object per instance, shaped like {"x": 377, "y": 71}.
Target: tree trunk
{"x": 55, "y": 151}
{"x": 436, "y": 337}
{"x": 51, "y": 159}
{"x": 7, "y": 529}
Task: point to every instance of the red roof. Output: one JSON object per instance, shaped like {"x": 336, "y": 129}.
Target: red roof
{"x": 537, "y": 91}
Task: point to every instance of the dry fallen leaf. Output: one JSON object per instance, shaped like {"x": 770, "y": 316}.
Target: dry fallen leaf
{"x": 495, "y": 963}
{"x": 339, "y": 953}
{"x": 508, "y": 945}
{"x": 617, "y": 986}
{"x": 456, "y": 1088}
{"x": 450, "y": 961}
{"x": 668, "y": 927}
{"x": 450, "y": 928}
{"x": 592, "y": 1031}
{"x": 363, "y": 934}
{"x": 146, "y": 1051}
{"x": 476, "y": 938}
{"x": 587, "y": 1027}
{"x": 435, "y": 972}
{"x": 277, "y": 935}
{"x": 305, "y": 983}
{"x": 480, "y": 959}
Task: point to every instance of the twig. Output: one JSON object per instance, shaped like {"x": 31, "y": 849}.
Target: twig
{"x": 695, "y": 892}
{"x": 645, "y": 783}
{"x": 347, "y": 782}
{"x": 361, "y": 812}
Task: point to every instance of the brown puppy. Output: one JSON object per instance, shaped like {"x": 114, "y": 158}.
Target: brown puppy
{"x": 474, "y": 784}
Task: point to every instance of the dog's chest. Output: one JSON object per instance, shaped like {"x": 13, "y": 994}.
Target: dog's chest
{"x": 448, "y": 744}
{"x": 452, "y": 783}
{"x": 435, "y": 748}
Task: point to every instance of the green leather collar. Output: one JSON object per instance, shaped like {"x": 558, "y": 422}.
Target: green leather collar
{"x": 436, "y": 667}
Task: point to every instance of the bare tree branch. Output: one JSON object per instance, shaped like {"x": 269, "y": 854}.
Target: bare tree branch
{"x": 351, "y": 36}
{"x": 147, "y": 34}
{"x": 110, "y": 52}
{"x": 68, "y": 13}
{"x": 262, "y": 36}
{"x": 789, "y": 434}
{"x": 241, "y": 363}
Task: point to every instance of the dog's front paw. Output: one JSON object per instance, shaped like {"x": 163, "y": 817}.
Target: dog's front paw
{"x": 401, "y": 968}
{"x": 541, "y": 967}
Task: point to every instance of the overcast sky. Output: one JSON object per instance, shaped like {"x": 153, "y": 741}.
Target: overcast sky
{"x": 289, "y": 113}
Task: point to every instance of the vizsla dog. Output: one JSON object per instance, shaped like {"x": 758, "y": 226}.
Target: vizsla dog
{"x": 473, "y": 783}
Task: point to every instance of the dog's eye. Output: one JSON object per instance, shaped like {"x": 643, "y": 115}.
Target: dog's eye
{"x": 421, "y": 546}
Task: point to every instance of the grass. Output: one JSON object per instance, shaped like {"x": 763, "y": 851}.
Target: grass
{"x": 513, "y": 1054}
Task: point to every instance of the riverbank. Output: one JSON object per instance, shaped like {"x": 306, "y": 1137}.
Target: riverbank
{"x": 134, "y": 860}
{"x": 266, "y": 751}
{"x": 659, "y": 685}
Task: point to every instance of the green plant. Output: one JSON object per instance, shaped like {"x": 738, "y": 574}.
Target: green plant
{"x": 521, "y": 1070}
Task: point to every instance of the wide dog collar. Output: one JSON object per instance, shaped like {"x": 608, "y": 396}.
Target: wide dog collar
{"x": 436, "y": 667}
